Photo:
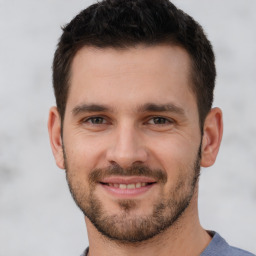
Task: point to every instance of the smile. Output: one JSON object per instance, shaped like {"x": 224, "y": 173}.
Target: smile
{"x": 128, "y": 186}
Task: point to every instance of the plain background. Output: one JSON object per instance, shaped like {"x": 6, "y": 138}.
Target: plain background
{"x": 37, "y": 213}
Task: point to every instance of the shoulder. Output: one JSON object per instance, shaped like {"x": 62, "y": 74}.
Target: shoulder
{"x": 239, "y": 252}
{"x": 219, "y": 247}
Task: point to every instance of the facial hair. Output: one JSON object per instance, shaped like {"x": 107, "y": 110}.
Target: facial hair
{"x": 124, "y": 227}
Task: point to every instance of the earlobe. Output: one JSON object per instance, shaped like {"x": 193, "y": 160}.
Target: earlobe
{"x": 213, "y": 130}
{"x": 54, "y": 129}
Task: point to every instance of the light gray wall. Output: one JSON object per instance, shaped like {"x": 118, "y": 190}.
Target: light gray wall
{"x": 37, "y": 214}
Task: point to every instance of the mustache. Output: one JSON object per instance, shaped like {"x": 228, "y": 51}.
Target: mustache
{"x": 135, "y": 170}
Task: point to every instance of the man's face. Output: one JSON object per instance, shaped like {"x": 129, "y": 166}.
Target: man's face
{"x": 131, "y": 139}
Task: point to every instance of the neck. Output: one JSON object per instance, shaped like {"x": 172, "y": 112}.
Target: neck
{"x": 185, "y": 237}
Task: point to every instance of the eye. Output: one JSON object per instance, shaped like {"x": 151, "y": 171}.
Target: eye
{"x": 95, "y": 120}
{"x": 158, "y": 120}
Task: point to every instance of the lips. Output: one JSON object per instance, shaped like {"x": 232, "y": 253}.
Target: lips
{"x": 127, "y": 186}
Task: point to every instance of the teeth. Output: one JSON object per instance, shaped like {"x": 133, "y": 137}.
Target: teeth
{"x": 131, "y": 186}
{"x": 122, "y": 186}
{"x": 138, "y": 185}
{"x": 128, "y": 186}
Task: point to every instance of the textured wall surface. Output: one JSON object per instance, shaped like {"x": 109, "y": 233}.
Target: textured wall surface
{"x": 37, "y": 214}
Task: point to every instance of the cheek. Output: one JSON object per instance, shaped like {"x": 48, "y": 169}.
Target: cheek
{"x": 174, "y": 156}
{"x": 173, "y": 149}
{"x": 83, "y": 154}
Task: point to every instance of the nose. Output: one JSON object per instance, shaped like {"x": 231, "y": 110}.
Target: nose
{"x": 127, "y": 147}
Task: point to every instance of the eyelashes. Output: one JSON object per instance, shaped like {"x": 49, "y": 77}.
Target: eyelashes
{"x": 159, "y": 120}
{"x": 156, "y": 120}
{"x": 96, "y": 120}
{"x": 102, "y": 123}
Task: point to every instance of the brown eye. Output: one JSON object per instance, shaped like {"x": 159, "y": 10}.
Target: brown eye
{"x": 96, "y": 120}
{"x": 159, "y": 120}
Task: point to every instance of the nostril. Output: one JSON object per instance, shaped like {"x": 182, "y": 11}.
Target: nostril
{"x": 125, "y": 156}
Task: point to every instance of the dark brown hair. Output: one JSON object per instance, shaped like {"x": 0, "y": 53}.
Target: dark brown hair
{"x": 127, "y": 23}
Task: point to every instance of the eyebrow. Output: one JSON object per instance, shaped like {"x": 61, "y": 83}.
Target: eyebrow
{"x": 170, "y": 107}
{"x": 89, "y": 108}
{"x": 148, "y": 107}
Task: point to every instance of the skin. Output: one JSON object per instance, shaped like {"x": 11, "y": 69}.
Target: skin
{"x": 127, "y": 132}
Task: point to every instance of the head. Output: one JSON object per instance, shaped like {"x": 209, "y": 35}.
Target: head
{"x": 134, "y": 86}
{"x": 122, "y": 24}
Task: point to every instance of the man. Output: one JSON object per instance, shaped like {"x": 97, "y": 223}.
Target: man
{"x": 133, "y": 82}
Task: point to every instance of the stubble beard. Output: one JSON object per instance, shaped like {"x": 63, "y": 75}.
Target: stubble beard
{"x": 124, "y": 227}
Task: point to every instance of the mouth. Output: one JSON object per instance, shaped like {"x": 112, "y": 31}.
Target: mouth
{"x": 126, "y": 187}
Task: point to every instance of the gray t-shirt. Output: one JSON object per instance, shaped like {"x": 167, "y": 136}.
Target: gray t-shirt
{"x": 217, "y": 247}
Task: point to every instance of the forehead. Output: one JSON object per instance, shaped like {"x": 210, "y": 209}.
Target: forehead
{"x": 142, "y": 73}
{"x": 104, "y": 59}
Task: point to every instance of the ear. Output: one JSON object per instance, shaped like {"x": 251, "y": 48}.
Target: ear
{"x": 54, "y": 129}
{"x": 213, "y": 130}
